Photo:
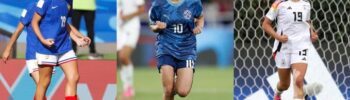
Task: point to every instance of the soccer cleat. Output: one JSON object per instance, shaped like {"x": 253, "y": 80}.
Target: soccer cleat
{"x": 312, "y": 89}
{"x": 277, "y": 97}
{"x": 129, "y": 92}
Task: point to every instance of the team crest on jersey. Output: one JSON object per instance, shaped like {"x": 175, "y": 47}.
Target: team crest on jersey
{"x": 187, "y": 14}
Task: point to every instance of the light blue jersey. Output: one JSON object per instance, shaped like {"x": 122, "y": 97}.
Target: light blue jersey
{"x": 178, "y": 39}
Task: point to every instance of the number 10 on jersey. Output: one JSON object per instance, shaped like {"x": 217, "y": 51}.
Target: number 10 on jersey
{"x": 178, "y": 28}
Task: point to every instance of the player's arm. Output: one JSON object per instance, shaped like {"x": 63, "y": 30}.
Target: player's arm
{"x": 78, "y": 37}
{"x": 267, "y": 26}
{"x": 158, "y": 26}
{"x": 13, "y": 39}
{"x": 314, "y": 35}
{"x": 199, "y": 25}
{"x": 139, "y": 11}
{"x": 35, "y": 24}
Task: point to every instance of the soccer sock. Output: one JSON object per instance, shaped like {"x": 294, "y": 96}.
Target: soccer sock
{"x": 278, "y": 92}
{"x": 127, "y": 73}
{"x": 71, "y": 97}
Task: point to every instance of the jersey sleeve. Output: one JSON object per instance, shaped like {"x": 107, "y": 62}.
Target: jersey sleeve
{"x": 153, "y": 15}
{"x": 70, "y": 3}
{"x": 198, "y": 9}
{"x": 42, "y": 6}
{"x": 308, "y": 12}
{"x": 272, "y": 14}
{"x": 24, "y": 19}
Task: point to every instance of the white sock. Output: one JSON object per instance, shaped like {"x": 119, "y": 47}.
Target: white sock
{"x": 278, "y": 92}
{"x": 127, "y": 73}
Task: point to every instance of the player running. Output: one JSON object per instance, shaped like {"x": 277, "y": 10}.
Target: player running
{"x": 292, "y": 41}
{"x": 55, "y": 48}
{"x": 177, "y": 23}
{"x": 31, "y": 41}
{"x": 127, "y": 36}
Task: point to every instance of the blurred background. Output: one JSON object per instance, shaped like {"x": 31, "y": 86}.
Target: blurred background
{"x": 213, "y": 76}
{"x": 97, "y": 77}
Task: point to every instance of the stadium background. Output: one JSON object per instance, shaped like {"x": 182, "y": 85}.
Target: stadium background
{"x": 15, "y": 82}
{"x": 253, "y": 64}
{"x": 213, "y": 77}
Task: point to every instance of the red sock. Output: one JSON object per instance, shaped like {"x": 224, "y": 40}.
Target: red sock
{"x": 71, "y": 97}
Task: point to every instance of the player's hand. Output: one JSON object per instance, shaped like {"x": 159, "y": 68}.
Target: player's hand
{"x": 48, "y": 42}
{"x": 197, "y": 30}
{"x": 6, "y": 55}
{"x": 314, "y": 36}
{"x": 160, "y": 25}
{"x": 282, "y": 38}
{"x": 87, "y": 40}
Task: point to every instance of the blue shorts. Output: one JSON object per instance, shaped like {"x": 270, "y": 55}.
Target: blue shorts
{"x": 174, "y": 62}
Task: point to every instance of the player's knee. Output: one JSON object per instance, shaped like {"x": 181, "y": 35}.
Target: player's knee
{"x": 299, "y": 82}
{"x": 182, "y": 92}
{"x": 123, "y": 58}
{"x": 168, "y": 91}
{"x": 283, "y": 86}
{"x": 73, "y": 78}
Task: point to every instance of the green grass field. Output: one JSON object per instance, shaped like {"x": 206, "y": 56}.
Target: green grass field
{"x": 210, "y": 83}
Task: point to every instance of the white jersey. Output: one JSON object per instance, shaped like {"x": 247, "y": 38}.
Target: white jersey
{"x": 292, "y": 20}
{"x": 127, "y": 7}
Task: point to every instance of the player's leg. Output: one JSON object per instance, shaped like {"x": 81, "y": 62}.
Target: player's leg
{"x": 299, "y": 70}
{"x": 76, "y": 18}
{"x": 167, "y": 75}
{"x": 69, "y": 66}
{"x": 45, "y": 73}
{"x": 46, "y": 64}
{"x": 284, "y": 72}
{"x": 127, "y": 70}
{"x": 33, "y": 69}
{"x": 184, "y": 79}
{"x": 299, "y": 66}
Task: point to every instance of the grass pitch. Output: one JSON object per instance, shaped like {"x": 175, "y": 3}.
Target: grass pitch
{"x": 210, "y": 83}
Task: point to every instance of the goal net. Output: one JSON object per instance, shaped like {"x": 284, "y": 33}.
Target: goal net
{"x": 255, "y": 75}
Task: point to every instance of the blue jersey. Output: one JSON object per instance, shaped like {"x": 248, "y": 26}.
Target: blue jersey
{"x": 178, "y": 39}
{"x": 32, "y": 40}
{"x": 54, "y": 14}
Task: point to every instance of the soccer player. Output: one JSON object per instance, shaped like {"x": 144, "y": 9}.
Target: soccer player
{"x": 128, "y": 34}
{"x": 54, "y": 47}
{"x": 31, "y": 41}
{"x": 177, "y": 23}
{"x": 293, "y": 39}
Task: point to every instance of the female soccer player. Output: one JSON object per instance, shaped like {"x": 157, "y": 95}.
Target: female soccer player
{"x": 177, "y": 22}
{"x": 31, "y": 40}
{"x": 49, "y": 25}
{"x": 293, "y": 39}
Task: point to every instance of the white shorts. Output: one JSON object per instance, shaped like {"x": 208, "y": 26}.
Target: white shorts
{"x": 32, "y": 65}
{"x": 284, "y": 60}
{"x": 128, "y": 35}
{"x": 54, "y": 60}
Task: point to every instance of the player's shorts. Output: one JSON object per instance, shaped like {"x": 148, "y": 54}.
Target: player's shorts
{"x": 128, "y": 35}
{"x": 54, "y": 60}
{"x": 174, "y": 62}
{"x": 32, "y": 65}
{"x": 284, "y": 60}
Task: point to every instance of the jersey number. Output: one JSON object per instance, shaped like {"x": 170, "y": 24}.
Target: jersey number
{"x": 178, "y": 28}
{"x": 303, "y": 52}
{"x": 298, "y": 16}
{"x": 63, "y": 19}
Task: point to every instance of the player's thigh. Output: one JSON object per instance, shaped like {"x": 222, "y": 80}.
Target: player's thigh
{"x": 165, "y": 65}
{"x": 184, "y": 73}
{"x": 69, "y": 65}
{"x": 167, "y": 76}
{"x": 299, "y": 65}
{"x": 184, "y": 79}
